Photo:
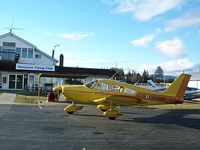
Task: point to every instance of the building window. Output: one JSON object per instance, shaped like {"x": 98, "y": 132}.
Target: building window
{"x": 37, "y": 56}
{"x": 4, "y": 79}
{"x": 8, "y": 44}
{"x": 24, "y": 52}
{"x": 16, "y": 81}
{"x": 18, "y": 51}
{"x": 30, "y": 53}
{"x": 8, "y": 51}
{"x": 8, "y": 54}
{"x": 8, "y": 47}
{"x": 0, "y": 80}
{"x": 0, "y": 54}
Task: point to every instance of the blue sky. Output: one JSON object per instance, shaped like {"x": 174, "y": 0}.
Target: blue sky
{"x": 129, "y": 34}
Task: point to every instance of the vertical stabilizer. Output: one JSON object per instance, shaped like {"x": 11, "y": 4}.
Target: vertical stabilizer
{"x": 178, "y": 87}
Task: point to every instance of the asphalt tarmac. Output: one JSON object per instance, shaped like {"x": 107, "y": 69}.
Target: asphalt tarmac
{"x": 27, "y": 127}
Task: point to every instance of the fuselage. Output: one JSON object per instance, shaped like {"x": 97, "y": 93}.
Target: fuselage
{"x": 107, "y": 94}
{"x": 116, "y": 92}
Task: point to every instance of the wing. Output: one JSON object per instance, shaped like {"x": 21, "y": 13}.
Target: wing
{"x": 118, "y": 100}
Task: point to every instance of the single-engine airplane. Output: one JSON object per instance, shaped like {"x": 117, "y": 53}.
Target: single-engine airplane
{"x": 108, "y": 94}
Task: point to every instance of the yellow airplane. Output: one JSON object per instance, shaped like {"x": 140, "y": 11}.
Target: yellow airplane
{"x": 108, "y": 94}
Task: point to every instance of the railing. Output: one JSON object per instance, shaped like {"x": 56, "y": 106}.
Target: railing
{"x": 9, "y": 56}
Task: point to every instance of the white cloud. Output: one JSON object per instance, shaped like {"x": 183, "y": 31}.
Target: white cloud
{"x": 143, "y": 41}
{"x": 148, "y": 67}
{"x": 144, "y": 9}
{"x": 171, "y": 48}
{"x": 169, "y": 67}
{"x": 75, "y": 36}
{"x": 178, "y": 65}
{"x": 48, "y": 33}
{"x": 191, "y": 18}
{"x": 158, "y": 30}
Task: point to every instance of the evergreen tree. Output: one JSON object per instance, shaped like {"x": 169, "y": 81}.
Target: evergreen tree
{"x": 158, "y": 75}
{"x": 145, "y": 76}
{"x": 120, "y": 74}
{"x": 129, "y": 77}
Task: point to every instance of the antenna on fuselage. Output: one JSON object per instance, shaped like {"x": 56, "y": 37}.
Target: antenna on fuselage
{"x": 114, "y": 75}
{"x": 137, "y": 82}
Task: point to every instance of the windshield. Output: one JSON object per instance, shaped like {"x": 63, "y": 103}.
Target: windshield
{"x": 91, "y": 84}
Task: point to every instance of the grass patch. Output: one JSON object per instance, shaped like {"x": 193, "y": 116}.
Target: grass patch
{"x": 31, "y": 99}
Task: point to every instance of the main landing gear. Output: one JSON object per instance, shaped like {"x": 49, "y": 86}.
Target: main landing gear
{"x": 103, "y": 107}
{"x": 70, "y": 109}
{"x": 109, "y": 111}
{"x": 112, "y": 113}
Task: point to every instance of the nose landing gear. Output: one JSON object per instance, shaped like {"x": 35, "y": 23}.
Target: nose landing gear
{"x": 70, "y": 109}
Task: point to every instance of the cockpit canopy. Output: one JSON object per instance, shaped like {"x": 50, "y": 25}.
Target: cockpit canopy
{"x": 91, "y": 84}
{"x": 106, "y": 86}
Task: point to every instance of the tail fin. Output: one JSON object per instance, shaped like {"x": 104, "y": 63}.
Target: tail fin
{"x": 178, "y": 87}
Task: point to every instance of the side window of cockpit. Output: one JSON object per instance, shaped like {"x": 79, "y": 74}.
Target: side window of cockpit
{"x": 129, "y": 91}
{"x": 102, "y": 86}
{"x": 116, "y": 88}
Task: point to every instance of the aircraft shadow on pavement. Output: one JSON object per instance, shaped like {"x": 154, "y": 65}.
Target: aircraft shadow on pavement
{"x": 88, "y": 115}
{"x": 185, "y": 118}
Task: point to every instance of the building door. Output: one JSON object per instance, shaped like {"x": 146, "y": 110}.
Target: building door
{"x": 16, "y": 82}
{"x": 19, "y": 82}
{"x": 31, "y": 81}
{"x": 11, "y": 81}
{"x": 25, "y": 81}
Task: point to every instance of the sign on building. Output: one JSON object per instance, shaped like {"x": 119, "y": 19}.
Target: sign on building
{"x": 35, "y": 67}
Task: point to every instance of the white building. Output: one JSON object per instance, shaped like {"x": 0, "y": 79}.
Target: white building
{"x": 26, "y": 57}
{"x": 195, "y": 80}
{"x": 21, "y": 62}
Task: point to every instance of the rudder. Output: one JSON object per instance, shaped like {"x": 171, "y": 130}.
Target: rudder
{"x": 178, "y": 87}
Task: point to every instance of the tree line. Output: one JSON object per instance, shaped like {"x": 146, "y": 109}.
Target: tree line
{"x": 132, "y": 77}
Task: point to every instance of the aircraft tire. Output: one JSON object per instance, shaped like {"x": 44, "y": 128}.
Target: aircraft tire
{"x": 103, "y": 110}
{"x": 112, "y": 118}
{"x": 70, "y": 112}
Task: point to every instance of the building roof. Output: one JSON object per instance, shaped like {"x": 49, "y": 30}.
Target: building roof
{"x": 85, "y": 72}
{"x": 17, "y": 37}
{"x": 63, "y": 72}
{"x": 28, "y": 43}
{"x": 43, "y": 53}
